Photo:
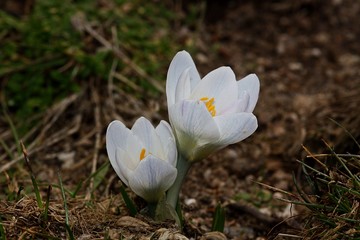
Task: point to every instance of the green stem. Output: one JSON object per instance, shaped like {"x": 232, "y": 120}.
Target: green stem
{"x": 152, "y": 210}
{"x": 183, "y": 166}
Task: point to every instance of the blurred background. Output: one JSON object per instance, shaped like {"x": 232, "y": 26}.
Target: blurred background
{"x": 68, "y": 68}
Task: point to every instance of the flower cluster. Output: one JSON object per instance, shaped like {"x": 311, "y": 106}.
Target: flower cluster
{"x": 144, "y": 157}
{"x": 206, "y": 114}
{"x": 210, "y": 113}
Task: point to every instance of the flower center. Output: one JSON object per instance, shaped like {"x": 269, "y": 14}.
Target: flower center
{"x": 209, "y": 103}
{"x": 142, "y": 154}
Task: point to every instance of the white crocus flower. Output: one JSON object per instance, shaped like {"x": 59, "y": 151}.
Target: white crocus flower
{"x": 210, "y": 113}
{"x": 144, "y": 157}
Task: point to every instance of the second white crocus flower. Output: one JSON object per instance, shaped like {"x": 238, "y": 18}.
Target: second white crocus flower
{"x": 210, "y": 113}
{"x": 144, "y": 157}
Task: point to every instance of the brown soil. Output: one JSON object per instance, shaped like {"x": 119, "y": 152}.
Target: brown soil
{"x": 307, "y": 56}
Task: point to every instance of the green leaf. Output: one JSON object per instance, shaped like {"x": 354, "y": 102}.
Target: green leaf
{"x": 69, "y": 231}
{"x": 129, "y": 203}
{"x": 219, "y": 219}
{"x": 100, "y": 175}
{"x": 67, "y": 226}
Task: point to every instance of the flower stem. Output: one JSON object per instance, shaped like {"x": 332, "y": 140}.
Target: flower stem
{"x": 183, "y": 166}
{"x": 151, "y": 208}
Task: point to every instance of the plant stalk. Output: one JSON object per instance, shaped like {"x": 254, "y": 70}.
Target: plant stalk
{"x": 183, "y": 166}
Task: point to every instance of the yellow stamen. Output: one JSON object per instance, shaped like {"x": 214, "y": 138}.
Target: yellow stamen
{"x": 209, "y": 103}
{"x": 142, "y": 154}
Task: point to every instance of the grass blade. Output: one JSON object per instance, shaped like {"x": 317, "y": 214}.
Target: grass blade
{"x": 77, "y": 189}
{"x": 129, "y": 203}
{"x": 180, "y": 214}
{"x": 357, "y": 180}
{"x": 32, "y": 176}
{"x": 219, "y": 219}
{"x": 68, "y": 229}
{"x": 64, "y": 198}
{"x": 335, "y": 205}
{"x": 300, "y": 192}
{"x": 13, "y": 129}
{"x": 67, "y": 226}
{"x": 99, "y": 175}
{"x": 347, "y": 132}
{"x": 7, "y": 149}
{"x": 101, "y": 171}
{"x": 47, "y": 203}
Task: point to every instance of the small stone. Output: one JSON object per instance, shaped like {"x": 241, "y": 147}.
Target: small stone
{"x": 230, "y": 155}
{"x": 295, "y": 66}
{"x": 164, "y": 234}
{"x": 128, "y": 221}
{"x": 213, "y": 236}
{"x": 190, "y": 201}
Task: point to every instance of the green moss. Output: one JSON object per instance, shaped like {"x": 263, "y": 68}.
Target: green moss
{"x": 44, "y": 58}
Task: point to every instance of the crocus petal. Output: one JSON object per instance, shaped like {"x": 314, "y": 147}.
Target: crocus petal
{"x": 242, "y": 104}
{"x": 178, "y": 65}
{"x": 133, "y": 148}
{"x": 239, "y": 105}
{"x": 193, "y": 126}
{"x": 171, "y": 153}
{"x": 152, "y": 178}
{"x": 146, "y": 133}
{"x": 116, "y": 137}
{"x": 121, "y": 165}
{"x": 219, "y": 84}
{"x": 251, "y": 85}
{"x": 193, "y": 118}
{"x": 167, "y": 138}
{"x": 183, "y": 88}
{"x": 235, "y": 127}
{"x": 164, "y": 131}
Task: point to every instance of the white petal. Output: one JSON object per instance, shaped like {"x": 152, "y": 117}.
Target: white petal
{"x": 116, "y": 137}
{"x": 146, "y": 133}
{"x": 219, "y": 84}
{"x": 243, "y": 102}
{"x": 167, "y": 138}
{"x": 240, "y": 105}
{"x": 193, "y": 118}
{"x": 183, "y": 88}
{"x": 235, "y": 127}
{"x": 251, "y": 85}
{"x": 164, "y": 131}
{"x": 171, "y": 154}
{"x": 133, "y": 148}
{"x": 121, "y": 165}
{"x": 152, "y": 178}
{"x": 180, "y": 62}
{"x": 193, "y": 125}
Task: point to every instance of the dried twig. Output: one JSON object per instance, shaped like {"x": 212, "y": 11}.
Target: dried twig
{"x": 253, "y": 211}
{"x": 97, "y": 140}
{"x": 55, "y": 138}
{"x": 127, "y": 81}
{"x": 110, "y": 87}
{"x": 51, "y": 117}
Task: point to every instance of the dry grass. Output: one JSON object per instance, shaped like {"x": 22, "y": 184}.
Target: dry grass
{"x": 65, "y": 138}
{"x": 87, "y": 220}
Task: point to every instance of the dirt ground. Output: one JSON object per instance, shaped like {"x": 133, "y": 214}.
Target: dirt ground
{"x": 307, "y": 56}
